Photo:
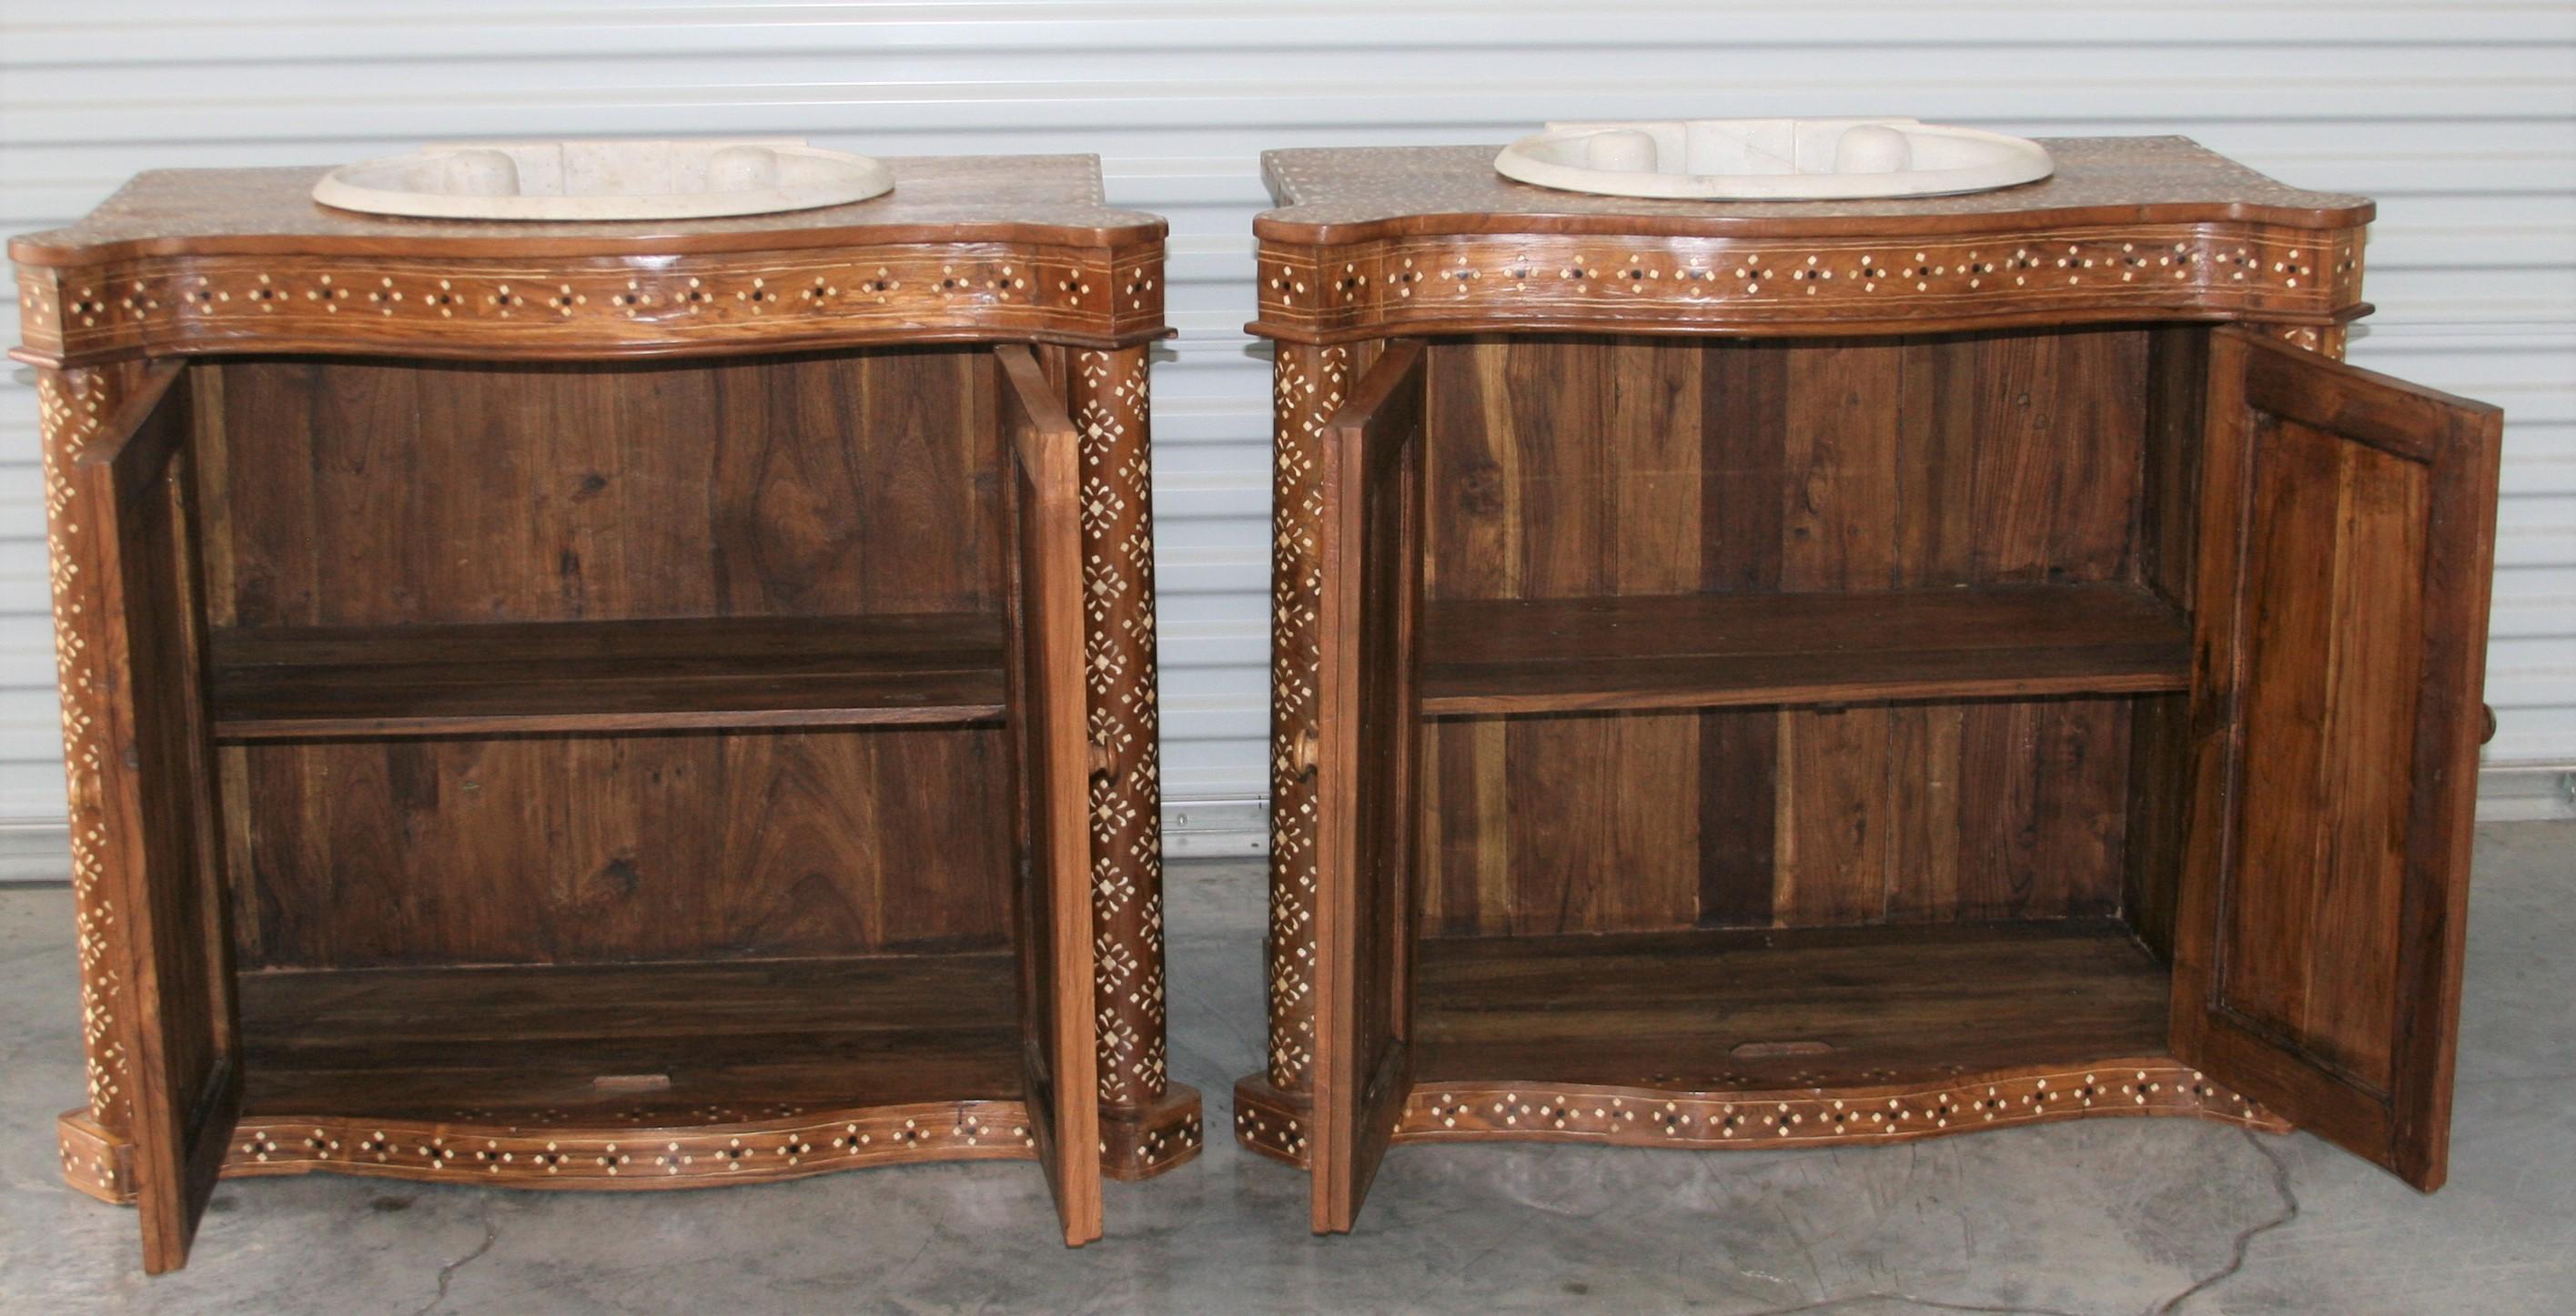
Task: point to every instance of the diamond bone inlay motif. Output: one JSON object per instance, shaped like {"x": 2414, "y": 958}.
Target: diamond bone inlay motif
{"x": 1700, "y": 279}
{"x": 1112, "y": 412}
{"x": 778, "y": 1147}
{"x": 393, "y": 300}
{"x": 1702, "y": 1120}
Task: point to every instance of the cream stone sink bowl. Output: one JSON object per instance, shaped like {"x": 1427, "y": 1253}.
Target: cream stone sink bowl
{"x": 605, "y": 180}
{"x": 1771, "y": 159}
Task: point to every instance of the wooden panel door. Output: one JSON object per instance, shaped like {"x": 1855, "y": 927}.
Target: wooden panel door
{"x": 156, "y": 828}
{"x": 1367, "y": 755}
{"x": 2340, "y": 635}
{"x": 1053, "y": 753}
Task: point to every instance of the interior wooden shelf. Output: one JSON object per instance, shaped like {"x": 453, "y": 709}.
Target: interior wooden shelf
{"x": 641, "y": 1045}
{"x": 675, "y": 674}
{"x": 1719, "y": 650}
{"x": 1769, "y": 1011}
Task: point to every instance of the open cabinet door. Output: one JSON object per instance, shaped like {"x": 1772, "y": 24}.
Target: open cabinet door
{"x": 1367, "y": 755}
{"x": 2347, "y": 538}
{"x": 149, "y": 812}
{"x": 1053, "y": 753}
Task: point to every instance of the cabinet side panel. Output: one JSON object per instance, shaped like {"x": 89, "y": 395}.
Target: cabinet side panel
{"x": 607, "y": 849}
{"x": 797, "y": 486}
{"x": 2168, "y": 529}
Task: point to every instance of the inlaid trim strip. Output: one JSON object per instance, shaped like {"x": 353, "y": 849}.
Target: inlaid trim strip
{"x": 593, "y": 305}
{"x": 1487, "y": 1111}
{"x": 1461, "y": 282}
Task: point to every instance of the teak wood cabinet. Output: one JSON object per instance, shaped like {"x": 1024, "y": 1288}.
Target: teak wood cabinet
{"x": 620, "y": 706}
{"x": 1794, "y": 673}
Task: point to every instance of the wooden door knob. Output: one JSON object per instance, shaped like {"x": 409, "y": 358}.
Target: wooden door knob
{"x": 2487, "y": 711}
{"x": 1306, "y": 754}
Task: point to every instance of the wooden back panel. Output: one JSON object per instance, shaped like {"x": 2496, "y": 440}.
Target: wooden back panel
{"x": 610, "y": 849}
{"x": 400, "y": 493}
{"x": 340, "y": 491}
{"x": 1595, "y": 465}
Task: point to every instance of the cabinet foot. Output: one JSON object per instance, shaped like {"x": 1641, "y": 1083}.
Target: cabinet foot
{"x": 96, "y": 1161}
{"x": 1143, "y": 1142}
{"x": 1273, "y": 1123}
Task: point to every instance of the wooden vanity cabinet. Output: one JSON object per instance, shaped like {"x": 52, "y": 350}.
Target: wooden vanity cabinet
{"x": 612, "y": 706}
{"x": 1776, "y": 674}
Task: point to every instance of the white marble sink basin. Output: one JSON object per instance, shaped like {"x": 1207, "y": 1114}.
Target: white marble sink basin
{"x": 605, "y": 180}
{"x": 1771, "y": 159}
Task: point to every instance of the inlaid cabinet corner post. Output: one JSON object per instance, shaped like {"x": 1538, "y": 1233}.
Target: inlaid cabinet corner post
{"x": 1871, "y": 670}
{"x": 1148, "y": 1122}
{"x": 696, "y": 760}
{"x": 160, "y": 1107}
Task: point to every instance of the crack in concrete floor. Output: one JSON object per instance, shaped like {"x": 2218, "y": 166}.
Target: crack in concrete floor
{"x": 447, "y": 1273}
{"x": 2245, "y": 1238}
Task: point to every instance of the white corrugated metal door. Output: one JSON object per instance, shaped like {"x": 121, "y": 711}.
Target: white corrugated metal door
{"x": 2459, "y": 117}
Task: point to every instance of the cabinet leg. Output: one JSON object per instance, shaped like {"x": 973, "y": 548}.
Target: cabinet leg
{"x": 1148, "y": 1124}
{"x": 1141, "y": 1142}
{"x": 1308, "y": 384}
{"x": 1273, "y": 1123}
{"x": 75, "y": 408}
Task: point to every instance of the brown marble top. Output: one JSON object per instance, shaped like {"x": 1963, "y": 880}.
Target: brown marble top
{"x": 1346, "y": 194}
{"x": 1031, "y": 198}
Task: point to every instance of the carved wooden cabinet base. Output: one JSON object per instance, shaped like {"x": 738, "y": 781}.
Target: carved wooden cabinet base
{"x": 1783, "y": 673}
{"x": 608, "y": 706}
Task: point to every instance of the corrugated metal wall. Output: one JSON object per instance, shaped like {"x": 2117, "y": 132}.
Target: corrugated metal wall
{"x": 2460, "y": 117}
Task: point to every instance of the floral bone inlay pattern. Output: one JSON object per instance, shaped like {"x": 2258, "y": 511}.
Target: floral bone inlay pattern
{"x": 73, "y": 409}
{"x": 1309, "y": 384}
{"x": 1112, "y": 410}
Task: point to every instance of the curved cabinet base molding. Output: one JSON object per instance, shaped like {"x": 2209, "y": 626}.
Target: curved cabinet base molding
{"x": 1277, "y": 1126}
{"x": 600, "y": 1157}
{"x": 643, "y": 1156}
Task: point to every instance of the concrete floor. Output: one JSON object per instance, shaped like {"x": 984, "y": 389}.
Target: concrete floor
{"x": 2114, "y": 1216}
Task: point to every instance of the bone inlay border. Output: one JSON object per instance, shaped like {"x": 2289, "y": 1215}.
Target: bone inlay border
{"x": 1539, "y": 1112}
{"x": 73, "y": 408}
{"x": 786, "y": 1147}
{"x": 603, "y": 303}
{"x": 1416, "y": 283}
{"x": 1308, "y": 385}
{"x": 1113, "y": 410}
{"x": 1635, "y": 1118}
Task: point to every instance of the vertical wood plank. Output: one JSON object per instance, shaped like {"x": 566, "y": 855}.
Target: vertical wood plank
{"x": 1743, "y": 427}
{"x": 2370, "y": 718}
{"x": 2293, "y": 568}
{"x": 1840, "y": 476}
{"x": 1833, "y": 828}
